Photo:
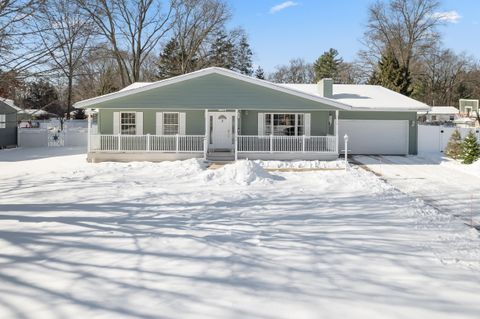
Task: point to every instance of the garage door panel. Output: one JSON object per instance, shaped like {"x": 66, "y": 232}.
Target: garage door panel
{"x": 375, "y": 136}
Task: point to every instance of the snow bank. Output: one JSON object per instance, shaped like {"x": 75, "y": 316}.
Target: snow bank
{"x": 240, "y": 172}
{"x": 302, "y": 164}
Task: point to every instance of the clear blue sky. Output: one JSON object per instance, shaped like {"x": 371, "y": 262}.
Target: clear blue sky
{"x": 307, "y": 28}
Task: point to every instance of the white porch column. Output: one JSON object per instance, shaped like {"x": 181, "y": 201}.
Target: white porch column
{"x": 89, "y": 132}
{"x": 236, "y": 134}
{"x": 207, "y": 137}
{"x": 336, "y": 129}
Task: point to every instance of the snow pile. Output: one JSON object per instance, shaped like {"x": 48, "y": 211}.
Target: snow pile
{"x": 240, "y": 172}
{"x": 472, "y": 169}
{"x": 302, "y": 164}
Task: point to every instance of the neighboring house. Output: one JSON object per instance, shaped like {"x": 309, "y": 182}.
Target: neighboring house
{"x": 468, "y": 108}
{"x": 8, "y": 123}
{"x": 220, "y": 114}
{"x": 439, "y": 115}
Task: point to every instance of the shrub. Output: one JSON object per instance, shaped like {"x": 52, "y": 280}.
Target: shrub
{"x": 470, "y": 149}
{"x": 454, "y": 146}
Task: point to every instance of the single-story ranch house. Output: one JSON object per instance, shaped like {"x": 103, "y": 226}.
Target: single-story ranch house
{"x": 219, "y": 114}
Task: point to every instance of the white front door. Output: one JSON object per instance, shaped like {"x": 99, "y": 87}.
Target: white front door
{"x": 221, "y": 130}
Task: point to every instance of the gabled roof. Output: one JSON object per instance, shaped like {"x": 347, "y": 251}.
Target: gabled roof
{"x": 10, "y": 103}
{"x": 364, "y": 97}
{"x": 142, "y": 87}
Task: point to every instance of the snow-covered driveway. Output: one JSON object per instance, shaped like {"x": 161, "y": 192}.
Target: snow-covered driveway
{"x": 175, "y": 240}
{"x": 447, "y": 186}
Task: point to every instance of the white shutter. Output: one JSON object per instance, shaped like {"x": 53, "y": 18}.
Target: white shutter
{"x": 181, "y": 122}
{"x": 307, "y": 120}
{"x": 116, "y": 122}
{"x": 139, "y": 123}
{"x": 261, "y": 123}
{"x": 159, "y": 123}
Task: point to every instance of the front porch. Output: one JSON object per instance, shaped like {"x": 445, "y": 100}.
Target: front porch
{"x": 223, "y": 140}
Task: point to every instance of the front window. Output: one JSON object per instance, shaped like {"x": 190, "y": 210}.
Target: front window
{"x": 128, "y": 123}
{"x": 287, "y": 124}
{"x": 170, "y": 123}
{"x": 3, "y": 121}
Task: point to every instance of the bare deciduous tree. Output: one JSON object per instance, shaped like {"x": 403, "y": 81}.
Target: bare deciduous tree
{"x": 133, "y": 28}
{"x": 297, "y": 71}
{"x": 407, "y": 28}
{"x": 441, "y": 72}
{"x": 66, "y": 40}
{"x": 196, "y": 21}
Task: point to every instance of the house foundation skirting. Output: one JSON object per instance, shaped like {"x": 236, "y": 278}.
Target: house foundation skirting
{"x": 98, "y": 157}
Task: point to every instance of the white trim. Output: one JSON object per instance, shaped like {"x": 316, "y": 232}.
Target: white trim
{"x": 138, "y": 123}
{"x": 159, "y": 123}
{"x": 207, "y": 71}
{"x": 182, "y": 123}
{"x": 261, "y": 124}
{"x": 307, "y": 123}
{"x": 116, "y": 122}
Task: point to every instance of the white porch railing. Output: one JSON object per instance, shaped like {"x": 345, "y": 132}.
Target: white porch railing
{"x": 278, "y": 144}
{"x": 147, "y": 143}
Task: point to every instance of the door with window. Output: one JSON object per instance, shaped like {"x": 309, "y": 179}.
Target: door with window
{"x": 222, "y": 127}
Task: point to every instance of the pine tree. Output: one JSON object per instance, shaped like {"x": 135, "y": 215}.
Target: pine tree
{"x": 171, "y": 60}
{"x": 222, "y": 52}
{"x": 328, "y": 65}
{"x": 259, "y": 73}
{"x": 244, "y": 55}
{"x": 168, "y": 62}
{"x": 470, "y": 149}
{"x": 454, "y": 146}
{"x": 391, "y": 75}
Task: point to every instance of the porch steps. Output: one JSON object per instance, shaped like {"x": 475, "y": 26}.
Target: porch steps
{"x": 220, "y": 156}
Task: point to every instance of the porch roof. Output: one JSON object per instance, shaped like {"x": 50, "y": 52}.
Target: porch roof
{"x": 212, "y": 88}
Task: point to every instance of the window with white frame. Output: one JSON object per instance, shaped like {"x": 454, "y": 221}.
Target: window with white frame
{"x": 128, "y": 125}
{"x": 287, "y": 124}
{"x": 3, "y": 121}
{"x": 171, "y": 124}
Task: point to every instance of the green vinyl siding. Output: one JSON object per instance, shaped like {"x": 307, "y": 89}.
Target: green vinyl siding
{"x": 194, "y": 120}
{"x": 213, "y": 91}
{"x": 374, "y": 115}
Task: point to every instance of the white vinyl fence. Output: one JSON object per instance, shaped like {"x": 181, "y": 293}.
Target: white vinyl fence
{"x": 433, "y": 139}
{"x": 74, "y": 133}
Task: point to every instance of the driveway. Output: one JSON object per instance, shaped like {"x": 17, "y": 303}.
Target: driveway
{"x": 446, "y": 188}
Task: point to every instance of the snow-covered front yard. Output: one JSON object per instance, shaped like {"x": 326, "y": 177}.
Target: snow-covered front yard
{"x": 177, "y": 240}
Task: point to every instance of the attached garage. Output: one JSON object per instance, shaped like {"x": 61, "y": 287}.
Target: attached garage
{"x": 388, "y": 137}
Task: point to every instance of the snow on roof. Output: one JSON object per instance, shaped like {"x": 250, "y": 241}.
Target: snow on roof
{"x": 10, "y": 103}
{"x": 439, "y": 110}
{"x": 366, "y": 97}
{"x": 34, "y": 112}
{"x": 135, "y": 85}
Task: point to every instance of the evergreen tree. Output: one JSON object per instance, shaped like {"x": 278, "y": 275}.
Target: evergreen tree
{"x": 391, "y": 75}
{"x": 170, "y": 60}
{"x": 39, "y": 95}
{"x": 259, "y": 73}
{"x": 328, "y": 66}
{"x": 222, "y": 52}
{"x": 244, "y": 55}
{"x": 470, "y": 149}
{"x": 79, "y": 114}
{"x": 454, "y": 146}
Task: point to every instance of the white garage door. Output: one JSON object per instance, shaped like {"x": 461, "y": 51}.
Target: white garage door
{"x": 374, "y": 136}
